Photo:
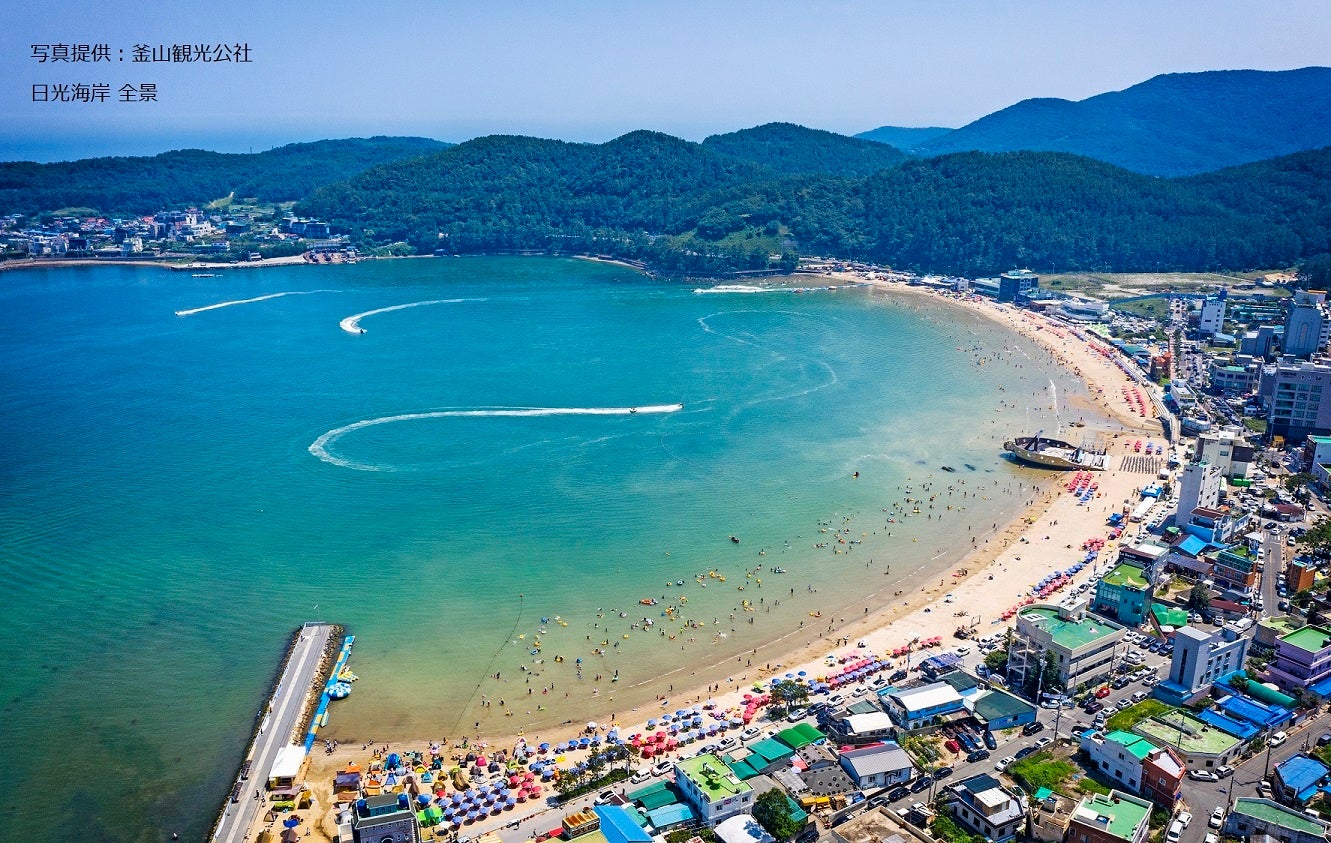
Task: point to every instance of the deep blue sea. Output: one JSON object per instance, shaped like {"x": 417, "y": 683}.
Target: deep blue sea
{"x": 476, "y": 484}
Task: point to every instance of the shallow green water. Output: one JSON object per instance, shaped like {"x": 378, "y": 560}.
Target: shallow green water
{"x": 165, "y": 524}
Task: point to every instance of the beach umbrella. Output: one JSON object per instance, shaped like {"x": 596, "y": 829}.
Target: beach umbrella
{"x": 651, "y": 724}
{"x": 423, "y": 800}
{"x": 802, "y": 673}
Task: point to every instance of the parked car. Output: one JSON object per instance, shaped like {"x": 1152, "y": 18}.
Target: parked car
{"x": 1093, "y": 706}
{"x": 1324, "y": 739}
{"x": 1203, "y": 776}
{"x": 977, "y": 755}
{"x": 1103, "y": 692}
{"x": 605, "y": 797}
{"x": 1032, "y": 728}
{"x": 663, "y": 768}
{"x": 921, "y": 784}
{"x": 1175, "y": 832}
{"x": 990, "y": 741}
{"x": 836, "y": 700}
{"x": 1004, "y": 763}
{"x": 1278, "y": 738}
{"x": 807, "y": 836}
{"x": 1043, "y": 742}
{"x": 897, "y": 794}
{"x": 1185, "y": 818}
{"x": 796, "y": 715}
{"x": 640, "y": 776}
{"x": 726, "y": 744}
{"x": 898, "y": 675}
{"x": 942, "y": 773}
{"x": 749, "y": 733}
{"x": 1264, "y": 788}
{"x": 1217, "y": 817}
{"x": 1024, "y": 751}
{"x": 1224, "y": 771}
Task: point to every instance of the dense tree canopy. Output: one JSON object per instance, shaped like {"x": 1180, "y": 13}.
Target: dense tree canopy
{"x": 142, "y": 185}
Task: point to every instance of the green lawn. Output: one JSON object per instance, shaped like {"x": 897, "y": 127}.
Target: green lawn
{"x": 1134, "y": 714}
{"x": 1042, "y": 769}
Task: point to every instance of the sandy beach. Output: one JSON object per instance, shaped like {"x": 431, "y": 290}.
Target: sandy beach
{"x": 990, "y": 576}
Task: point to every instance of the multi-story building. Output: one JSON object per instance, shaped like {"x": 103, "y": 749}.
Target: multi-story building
{"x": 1083, "y": 646}
{"x": 1198, "y": 486}
{"x": 1236, "y": 571}
{"x": 1135, "y": 763}
{"x": 1123, "y": 594}
{"x": 1211, "y": 320}
{"x": 1227, "y": 450}
{"x": 1302, "y": 659}
{"x": 1299, "y": 400}
{"x": 1307, "y": 324}
{"x": 1162, "y": 776}
{"x": 712, "y": 789}
{"x": 1199, "y": 659}
{"x": 1113, "y": 818}
{"x": 1252, "y": 819}
{"x": 1258, "y": 343}
{"x": 1230, "y": 376}
{"x": 1017, "y": 285}
{"x": 1300, "y": 574}
{"x": 983, "y": 806}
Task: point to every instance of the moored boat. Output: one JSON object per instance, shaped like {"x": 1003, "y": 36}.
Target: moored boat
{"x": 1045, "y": 452}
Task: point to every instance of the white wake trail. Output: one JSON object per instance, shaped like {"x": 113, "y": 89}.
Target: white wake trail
{"x": 352, "y": 323}
{"x": 195, "y": 310}
{"x": 319, "y": 447}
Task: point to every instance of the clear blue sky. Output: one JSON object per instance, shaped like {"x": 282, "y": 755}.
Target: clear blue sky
{"x": 593, "y": 69}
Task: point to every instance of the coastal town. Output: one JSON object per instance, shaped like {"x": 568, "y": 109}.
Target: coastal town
{"x": 1144, "y": 655}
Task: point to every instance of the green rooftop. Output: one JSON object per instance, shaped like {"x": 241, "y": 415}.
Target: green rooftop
{"x": 1195, "y": 736}
{"x": 1117, "y": 814}
{"x": 1311, "y": 639}
{"x": 712, "y": 777}
{"x": 1070, "y": 634}
{"x": 1166, "y": 616}
{"x": 1136, "y": 744}
{"x": 1268, "y": 811}
{"x": 1126, "y": 574}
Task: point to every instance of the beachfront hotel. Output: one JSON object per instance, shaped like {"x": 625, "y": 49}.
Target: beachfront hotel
{"x": 1084, "y": 647}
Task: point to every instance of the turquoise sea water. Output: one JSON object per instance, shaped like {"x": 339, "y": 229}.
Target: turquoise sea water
{"x": 165, "y": 522}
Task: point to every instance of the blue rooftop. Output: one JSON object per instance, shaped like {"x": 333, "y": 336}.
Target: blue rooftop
{"x": 1322, "y": 688}
{"x": 618, "y": 825}
{"x": 1301, "y": 774}
{"x": 1250, "y": 710}
{"x": 1237, "y": 728}
{"x": 670, "y": 815}
{"x": 1192, "y": 545}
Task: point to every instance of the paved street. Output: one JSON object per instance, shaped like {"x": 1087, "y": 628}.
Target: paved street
{"x": 276, "y": 731}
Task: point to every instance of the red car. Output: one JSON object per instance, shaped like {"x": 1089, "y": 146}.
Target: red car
{"x": 1101, "y": 693}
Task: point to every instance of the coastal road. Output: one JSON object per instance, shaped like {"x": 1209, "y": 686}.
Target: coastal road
{"x": 284, "y": 710}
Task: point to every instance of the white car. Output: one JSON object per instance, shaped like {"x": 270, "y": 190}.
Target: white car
{"x": 1278, "y": 738}
{"x": 836, "y": 700}
{"x": 963, "y": 651}
{"x": 1004, "y": 763}
{"x": 1211, "y": 838}
{"x": 726, "y": 744}
{"x": 1185, "y": 818}
{"x": 1217, "y": 817}
{"x": 640, "y": 776}
{"x": 663, "y": 768}
{"x": 1043, "y": 742}
{"x": 1203, "y": 776}
{"x": 749, "y": 734}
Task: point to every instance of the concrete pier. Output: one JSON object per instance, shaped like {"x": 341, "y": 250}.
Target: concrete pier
{"x": 278, "y": 725}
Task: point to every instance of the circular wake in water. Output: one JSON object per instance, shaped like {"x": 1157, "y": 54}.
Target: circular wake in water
{"x": 352, "y": 323}
{"x": 319, "y": 447}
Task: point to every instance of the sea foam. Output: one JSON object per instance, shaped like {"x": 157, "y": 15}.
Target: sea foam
{"x": 319, "y": 447}
{"x": 352, "y": 323}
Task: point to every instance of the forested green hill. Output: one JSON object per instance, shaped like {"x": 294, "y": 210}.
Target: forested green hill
{"x": 143, "y": 184}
